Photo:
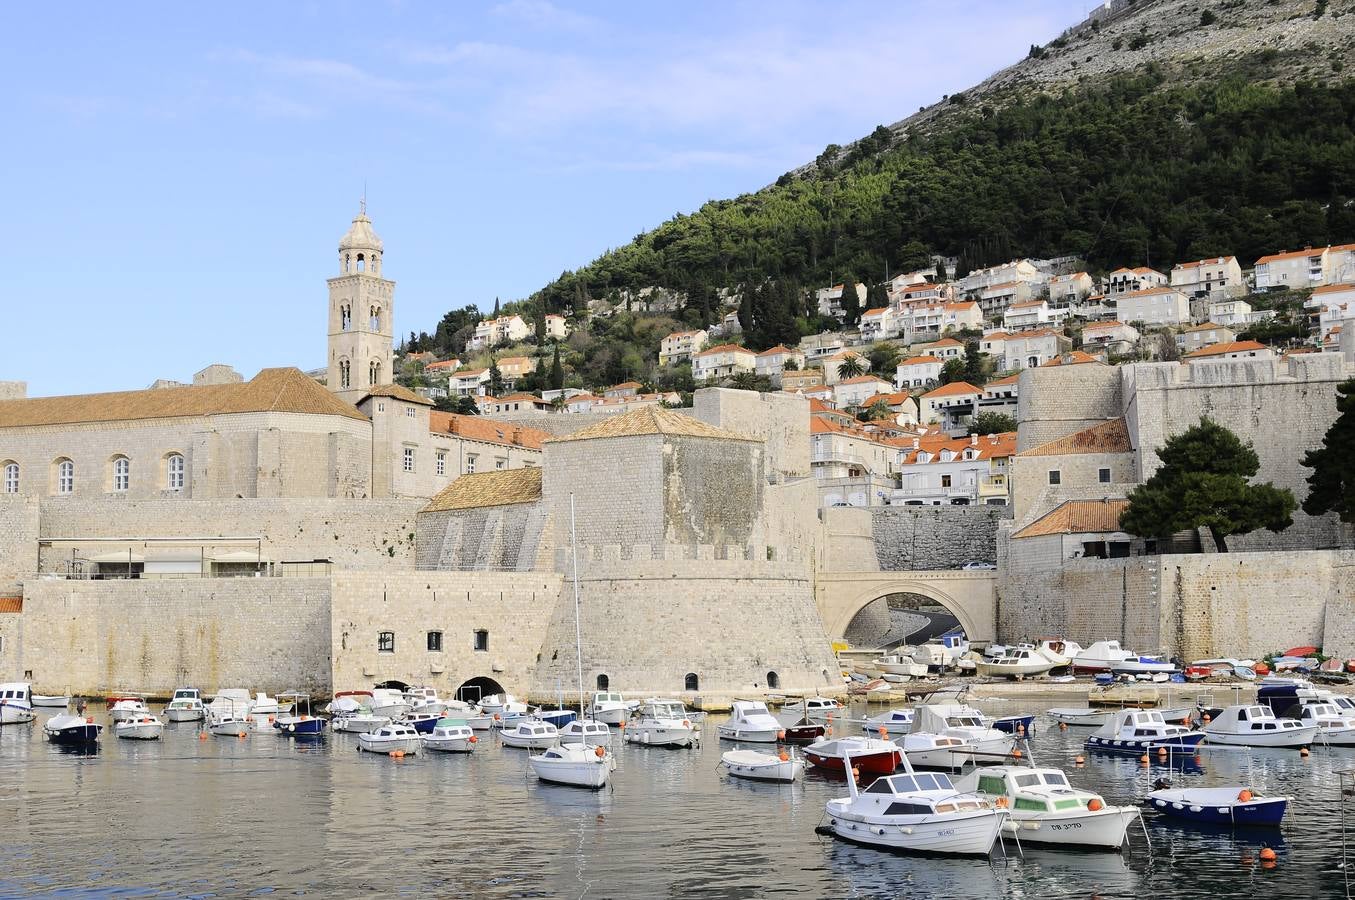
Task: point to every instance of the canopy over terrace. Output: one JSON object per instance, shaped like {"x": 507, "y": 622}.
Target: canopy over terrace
{"x": 166, "y": 557}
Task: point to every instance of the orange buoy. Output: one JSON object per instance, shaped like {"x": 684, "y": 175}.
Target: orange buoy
{"x": 496, "y": 717}
{"x": 1095, "y": 804}
{"x": 1001, "y": 802}
{"x": 884, "y": 732}
{"x": 202, "y": 735}
{"x": 1143, "y": 760}
{"x": 1016, "y": 754}
{"x": 828, "y": 731}
{"x": 1063, "y": 726}
{"x": 1267, "y": 855}
{"x": 783, "y": 756}
{"x": 686, "y": 724}
{"x": 599, "y": 752}
{"x": 1303, "y": 751}
{"x": 1244, "y": 795}
{"x": 1161, "y": 751}
{"x": 1206, "y": 718}
{"x": 623, "y": 724}
{"x": 780, "y": 735}
{"x": 241, "y": 734}
{"x": 1020, "y": 729}
{"x": 473, "y": 740}
{"x": 1078, "y": 760}
{"x": 398, "y": 754}
{"x": 856, "y": 773}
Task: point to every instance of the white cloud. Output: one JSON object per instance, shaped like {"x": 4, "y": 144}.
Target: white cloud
{"x": 544, "y": 14}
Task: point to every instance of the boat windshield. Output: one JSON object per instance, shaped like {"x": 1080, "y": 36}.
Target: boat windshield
{"x": 1027, "y": 780}
{"x": 1055, "y": 778}
{"x": 920, "y": 781}
{"x": 666, "y": 710}
{"x": 963, "y": 722}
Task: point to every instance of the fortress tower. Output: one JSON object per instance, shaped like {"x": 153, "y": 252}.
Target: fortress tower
{"x": 360, "y": 315}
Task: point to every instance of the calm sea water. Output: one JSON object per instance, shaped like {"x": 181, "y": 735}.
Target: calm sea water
{"x": 233, "y": 817}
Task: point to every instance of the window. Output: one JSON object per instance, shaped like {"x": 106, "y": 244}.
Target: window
{"x": 773, "y": 680}
{"x": 65, "y": 477}
{"x": 409, "y": 459}
{"x": 604, "y": 682}
{"x": 174, "y": 471}
{"x": 372, "y": 371}
{"x": 385, "y": 642}
{"x": 410, "y": 411}
{"x": 691, "y": 682}
{"x": 11, "y": 478}
{"x": 1103, "y": 476}
{"x": 945, "y": 481}
{"x": 470, "y": 464}
{"x": 500, "y": 463}
{"x": 481, "y": 639}
{"x": 345, "y": 374}
{"x": 1055, "y": 476}
{"x": 122, "y": 473}
{"x": 435, "y": 642}
{"x": 440, "y": 462}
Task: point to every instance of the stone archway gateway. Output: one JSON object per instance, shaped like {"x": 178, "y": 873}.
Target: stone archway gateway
{"x": 970, "y": 596}
{"x": 473, "y": 689}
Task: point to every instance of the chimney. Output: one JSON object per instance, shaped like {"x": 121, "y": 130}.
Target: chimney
{"x": 917, "y": 443}
{"x": 974, "y": 439}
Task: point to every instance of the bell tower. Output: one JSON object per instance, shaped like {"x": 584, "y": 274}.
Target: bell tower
{"x": 361, "y": 303}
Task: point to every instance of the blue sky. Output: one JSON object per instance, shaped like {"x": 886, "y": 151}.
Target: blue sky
{"x": 177, "y": 176}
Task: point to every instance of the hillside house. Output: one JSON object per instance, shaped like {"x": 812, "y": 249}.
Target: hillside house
{"x": 1067, "y": 291}
{"x": 803, "y": 379}
{"x": 556, "y": 327}
{"x": 468, "y": 383}
{"x": 680, "y": 345}
{"x": 1204, "y": 334}
{"x": 1028, "y": 314}
{"x": 1028, "y": 349}
{"x": 818, "y": 347}
{"x": 723, "y": 361}
{"x": 918, "y": 372}
{"x": 441, "y": 370}
{"x": 851, "y": 393}
{"x": 1217, "y": 277}
{"x": 950, "y": 404}
{"x": 829, "y": 299}
{"x": 880, "y": 324}
{"x": 771, "y": 363}
{"x": 997, "y": 297}
{"x": 1233, "y": 350}
{"x": 503, "y": 330}
{"x": 944, "y": 349}
{"x": 1112, "y": 337}
{"x": 944, "y": 471}
{"x": 1294, "y": 269}
{"x": 832, "y": 367}
{"x": 1128, "y": 281}
{"x": 1153, "y": 306}
{"x": 1016, "y": 270}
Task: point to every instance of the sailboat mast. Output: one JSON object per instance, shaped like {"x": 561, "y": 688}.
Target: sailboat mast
{"x": 578, "y": 636}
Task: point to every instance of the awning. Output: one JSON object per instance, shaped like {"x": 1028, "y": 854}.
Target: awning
{"x": 116, "y": 557}
{"x": 238, "y": 556}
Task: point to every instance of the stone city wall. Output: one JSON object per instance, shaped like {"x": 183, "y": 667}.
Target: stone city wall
{"x": 19, "y": 518}
{"x": 941, "y": 537}
{"x": 1060, "y": 400}
{"x": 514, "y": 537}
{"x": 780, "y": 420}
{"x": 1079, "y": 478}
{"x": 97, "y": 637}
{"x": 368, "y": 534}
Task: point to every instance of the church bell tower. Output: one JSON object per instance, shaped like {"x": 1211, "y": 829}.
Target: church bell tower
{"x": 360, "y": 315}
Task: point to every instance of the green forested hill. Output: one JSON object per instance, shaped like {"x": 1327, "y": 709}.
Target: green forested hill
{"x": 1127, "y": 171}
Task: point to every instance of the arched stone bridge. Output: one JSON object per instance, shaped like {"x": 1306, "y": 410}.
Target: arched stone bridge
{"x": 971, "y": 596}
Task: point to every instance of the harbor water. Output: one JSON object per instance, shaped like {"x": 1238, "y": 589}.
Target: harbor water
{"x": 264, "y": 814}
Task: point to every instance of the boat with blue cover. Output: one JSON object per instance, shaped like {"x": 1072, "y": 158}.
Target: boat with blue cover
{"x": 69, "y": 729}
{"x": 300, "y": 722}
{"x": 1138, "y": 731}
{"x": 1015, "y": 724}
{"x": 421, "y": 722}
{"x": 1235, "y": 805}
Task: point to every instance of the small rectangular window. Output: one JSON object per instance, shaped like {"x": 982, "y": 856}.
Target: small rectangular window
{"x": 1103, "y": 476}
{"x": 409, "y": 459}
{"x": 1055, "y": 477}
{"x": 470, "y": 464}
{"x": 481, "y": 639}
{"x": 441, "y": 462}
{"x": 435, "y": 642}
{"x": 385, "y": 642}
{"x": 409, "y": 411}
{"x": 945, "y": 481}
{"x": 500, "y": 463}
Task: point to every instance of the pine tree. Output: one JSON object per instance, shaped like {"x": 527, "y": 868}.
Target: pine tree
{"x": 557, "y": 372}
{"x": 541, "y": 328}
{"x": 851, "y": 303}
{"x": 877, "y": 297}
{"x": 495, "y": 379}
{"x": 1331, "y": 487}
{"x": 940, "y": 272}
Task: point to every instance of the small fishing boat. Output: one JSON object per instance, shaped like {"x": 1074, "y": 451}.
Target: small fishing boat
{"x": 388, "y": 702}
{"x": 52, "y": 701}
{"x": 420, "y": 721}
{"x": 1046, "y": 809}
{"x": 1137, "y": 731}
{"x": 804, "y": 732}
{"x": 1101, "y": 656}
{"x": 529, "y": 734}
{"x": 1058, "y": 651}
{"x": 425, "y": 699}
{"x": 576, "y": 765}
{"x": 139, "y": 728}
{"x": 392, "y": 738}
{"x": 502, "y": 704}
{"x": 185, "y": 706}
{"x": 919, "y": 812}
{"x": 942, "y": 651}
{"x": 229, "y": 701}
{"x": 480, "y": 721}
{"x": 265, "y": 705}
{"x": 750, "y": 721}
{"x": 1334, "y": 728}
{"x": 557, "y": 717}
{"x": 451, "y": 736}
{"x": 890, "y": 723}
{"x": 871, "y": 756}
{"x": 68, "y": 729}
{"x": 346, "y": 702}
{"x": 662, "y": 723}
{"x": 1023, "y": 724}
{"x": 816, "y": 709}
{"x": 1257, "y": 726}
{"x": 299, "y": 722}
{"x": 127, "y": 706}
{"x": 362, "y": 721}
{"x": 586, "y": 731}
{"x": 16, "y": 703}
{"x": 899, "y": 664}
{"x": 968, "y": 724}
{"x": 1083, "y": 716}
{"x": 755, "y": 766}
{"x": 1237, "y": 805}
{"x": 229, "y": 716}
{"x": 608, "y": 707}
{"x": 934, "y": 751}
{"x": 1143, "y": 665}
{"x": 1020, "y": 662}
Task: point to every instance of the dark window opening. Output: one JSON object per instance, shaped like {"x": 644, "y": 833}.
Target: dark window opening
{"x": 604, "y": 682}
{"x": 435, "y": 642}
{"x": 1103, "y": 476}
{"x": 481, "y": 639}
{"x": 1055, "y": 476}
{"x": 773, "y": 680}
{"x": 691, "y": 682}
{"x": 385, "y": 642}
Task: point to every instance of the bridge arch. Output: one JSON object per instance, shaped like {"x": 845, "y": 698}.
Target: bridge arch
{"x": 969, "y": 596}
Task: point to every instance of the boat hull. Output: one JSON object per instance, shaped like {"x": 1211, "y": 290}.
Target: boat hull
{"x": 449, "y": 745}
{"x": 12, "y": 714}
{"x": 662, "y": 736}
{"x": 184, "y": 715}
{"x": 232, "y": 728}
{"x": 879, "y": 762}
{"x": 1289, "y": 738}
{"x": 613, "y": 715}
{"x": 804, "y": 734}
{"x": 972, "y": 835}
{"x": 1268, "y": 812}
{"x": 406, "y": 745}
{"x": 1015, "y": 724}
{"x": 1082, "y": 717}
{"x": 304, "y": 726}
{"x": 74, "y": 734}
{"x": 139, "y": 732}
{"x": 536, "y": 742}
{"x": 359, "y": 724}
{"x": 591, "y": 775}
{"x": 1186, "y": 743}
{"x": 749, "y": 735}
{"x": 51, "y": 701}
{"x": 1021, "y": 670}
{"x": 762, "y": 768}
{"x": 1103, "y": 829}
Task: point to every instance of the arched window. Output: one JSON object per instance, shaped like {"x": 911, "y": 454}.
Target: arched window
{"x": 348, "y": 262}
{"x": 345, "y": 374}
{"x": 174, "y": 472}
{"x": 65, "y": 476}
{"x": 604, "y": 682}
{"x": 372, "y": 371}
{"x": 345, "y": 317}
{"x": 122, "y": 474}
{"x": 773, "y": 680}
{"x": 362, "y": 263}
{"x": 691, "y": 682}
{"x": 11, "y": 478}
{"x": 374, "y": 319}
{"x": 1033, "y": 362}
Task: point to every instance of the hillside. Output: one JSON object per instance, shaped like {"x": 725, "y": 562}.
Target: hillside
{"x": 1165, "y": 131}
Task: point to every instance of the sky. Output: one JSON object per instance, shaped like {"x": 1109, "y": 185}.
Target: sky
{"x": 177, "y": 176}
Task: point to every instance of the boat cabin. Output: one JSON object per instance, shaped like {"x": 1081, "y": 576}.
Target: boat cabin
{"x": 536, "y": 729}
{"x": 1239, "y": 719}
{"x": 391, "y": 732}
{"x": 921, "y": 794}
{"x": 602, "y": 697}
{"x": 186, "y": 694}
{"x": 1033, "y": 790}
{"x": 1022, "y": 656}
{"x": 1326, "y": 715}
{"x": 578, "y": 728}
{"x": 662, "y": 709}
{"x": 17, "y": 693}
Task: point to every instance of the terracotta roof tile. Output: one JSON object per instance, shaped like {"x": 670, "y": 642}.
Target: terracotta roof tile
{"x": 954, "y": 389}
{"x": 726, "y": 348}
{"x": 1076, "y": 358}
{"x": 650, "y": 420}
{"x": 397, "y": 392}
{"x": 489, "y": 431}
{"x": 500, "y": 488}
{"x": 1107, "y": 437}
{"x": 1225, "y": 348}
{"x": 1291, "y": 254}
{"x": 1077, "y": 517}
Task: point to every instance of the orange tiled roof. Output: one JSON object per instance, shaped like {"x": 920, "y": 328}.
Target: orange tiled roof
{"x": 863, "y": 379}
{"x": 1107, "y": 437}
{"x": 1010, "y": 379}
{"x": 397, "y": 392}
{"x": 442, "y": 364}
{"x": 989, "y": 446}
{"x": 1160, "y": 289}
{"x": 1078, "y": 517}
{"x": 725, "y": 348}
{"x": 1291, "y": 254}
{"x": 1334, "y": 288}
{"x": 1212, "y": 261}
{"x": 1027, "y": 304}
{"x": 1076, "y": 358}
{"x": 1206, "y": 326}
{"x": 1098, "y": 326}
{"x": 489, "y": 431}
{"x": 947, "y": 342}
{"x": 954, "y": 389}
{"x": 1226, "y": 348}
{"x": 920, "y": 361}
{"x": 779, "y": 348}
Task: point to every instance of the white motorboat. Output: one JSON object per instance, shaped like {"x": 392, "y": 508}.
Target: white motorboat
{"x": 229, "y": 702}
{"x": 1020, "y": 662}
{"x": 346, "y": 702}
{"x": 1084, "y": 716}
{"x": 608, "y": 707}
{"x": 1153, "y": 666}
{"x": 426, "y": 699}
{"x": 890, "y": 723}
{"x": 529, "y": 734}
{"x": 139, "y": 728}
{"x": 965, "y": 722}
{"x": 662, "y": 723}
{"x": 393, "y": 738}
{"x": 72, "y": 730}
{"x": 899, "y": 664}
{"x": 586, "y": 731}
{"x": 185, "y": 706}
{"x": 480, "y": 721}
{"x": 816, "y": 709}
{"x": 936, "y": 751}
{"x": 1058, "y": 651}
{"x": 16, "y": 703}
{"x": 870, "y": 756}
{"x": 1137, "y": 731}
{"x": 363, "y": 721}
{"x": 941, "y": 652}
{"x": 123, "y": 707}
{"x": 917, "y": 811}
{"x": 504, "y": 705}
{"x": 1257, "y": 726}
{"x": 52, "y": 701}
{"x": 1335, "y": 728}
{"x": 296, "y": 721}
{"x": 1046, "y": 809}
{"x": 265, "y": 705}
{"x": 577, "y": 765}
{"x": 388, "y": 702}
{"x": 750, "y": 721}
{"x": 1101, "y": 657}
{"x": 451, "y": 736}
{"x": 755, "y": 766}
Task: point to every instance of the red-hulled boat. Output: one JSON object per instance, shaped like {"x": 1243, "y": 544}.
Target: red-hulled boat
{"x": 870, "y": 756}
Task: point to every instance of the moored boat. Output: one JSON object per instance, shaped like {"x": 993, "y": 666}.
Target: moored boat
{"x": 502, "y": 704}
{"x": 756, "y": 766}
{"x": 139, "y": 728}
{"x": 890, "y": 723}
{"x": 815, "y": 709}
{"x": 1257, "y": 726}
{"x": 1046, "y": 809}
{"x": 529, "y": 734}
{"x": 53, "y": 701}
{"x": 451, "y": 736}
{"x": 1100, "y": 657}
{"x": 1084, "y": 716}
{"x": 127, "y": 706}
{"x": 586, "y": 731}
{"x": 1334, "y": 729}
{"x": 392, "y": 738}
{"x": 935, "y": 751}
{"x": 1235, "y": 805}
{"x": 662, "y": 723}
{"x": 1137, "y": 731}
{"x": 421, "y": 721}
{"x": 608, "y": 707}
{"x": 576, "y": 765}
{"x": 900, "y": 664}
{"x": 359, "y": 722}
{"x": 68, "y": 729}
{"x": 967, "y": 723}
{"x": 1020, "y": 662}
{"x": 185, "y": 706}
{"x": 750, "y": 721}
{"x": 870, "y": 756}
{"x": 16, "y": 703}
{"x": 299, "y": 722}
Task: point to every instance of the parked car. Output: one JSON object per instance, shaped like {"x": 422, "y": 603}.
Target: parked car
{"x": 977, "y": 565}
